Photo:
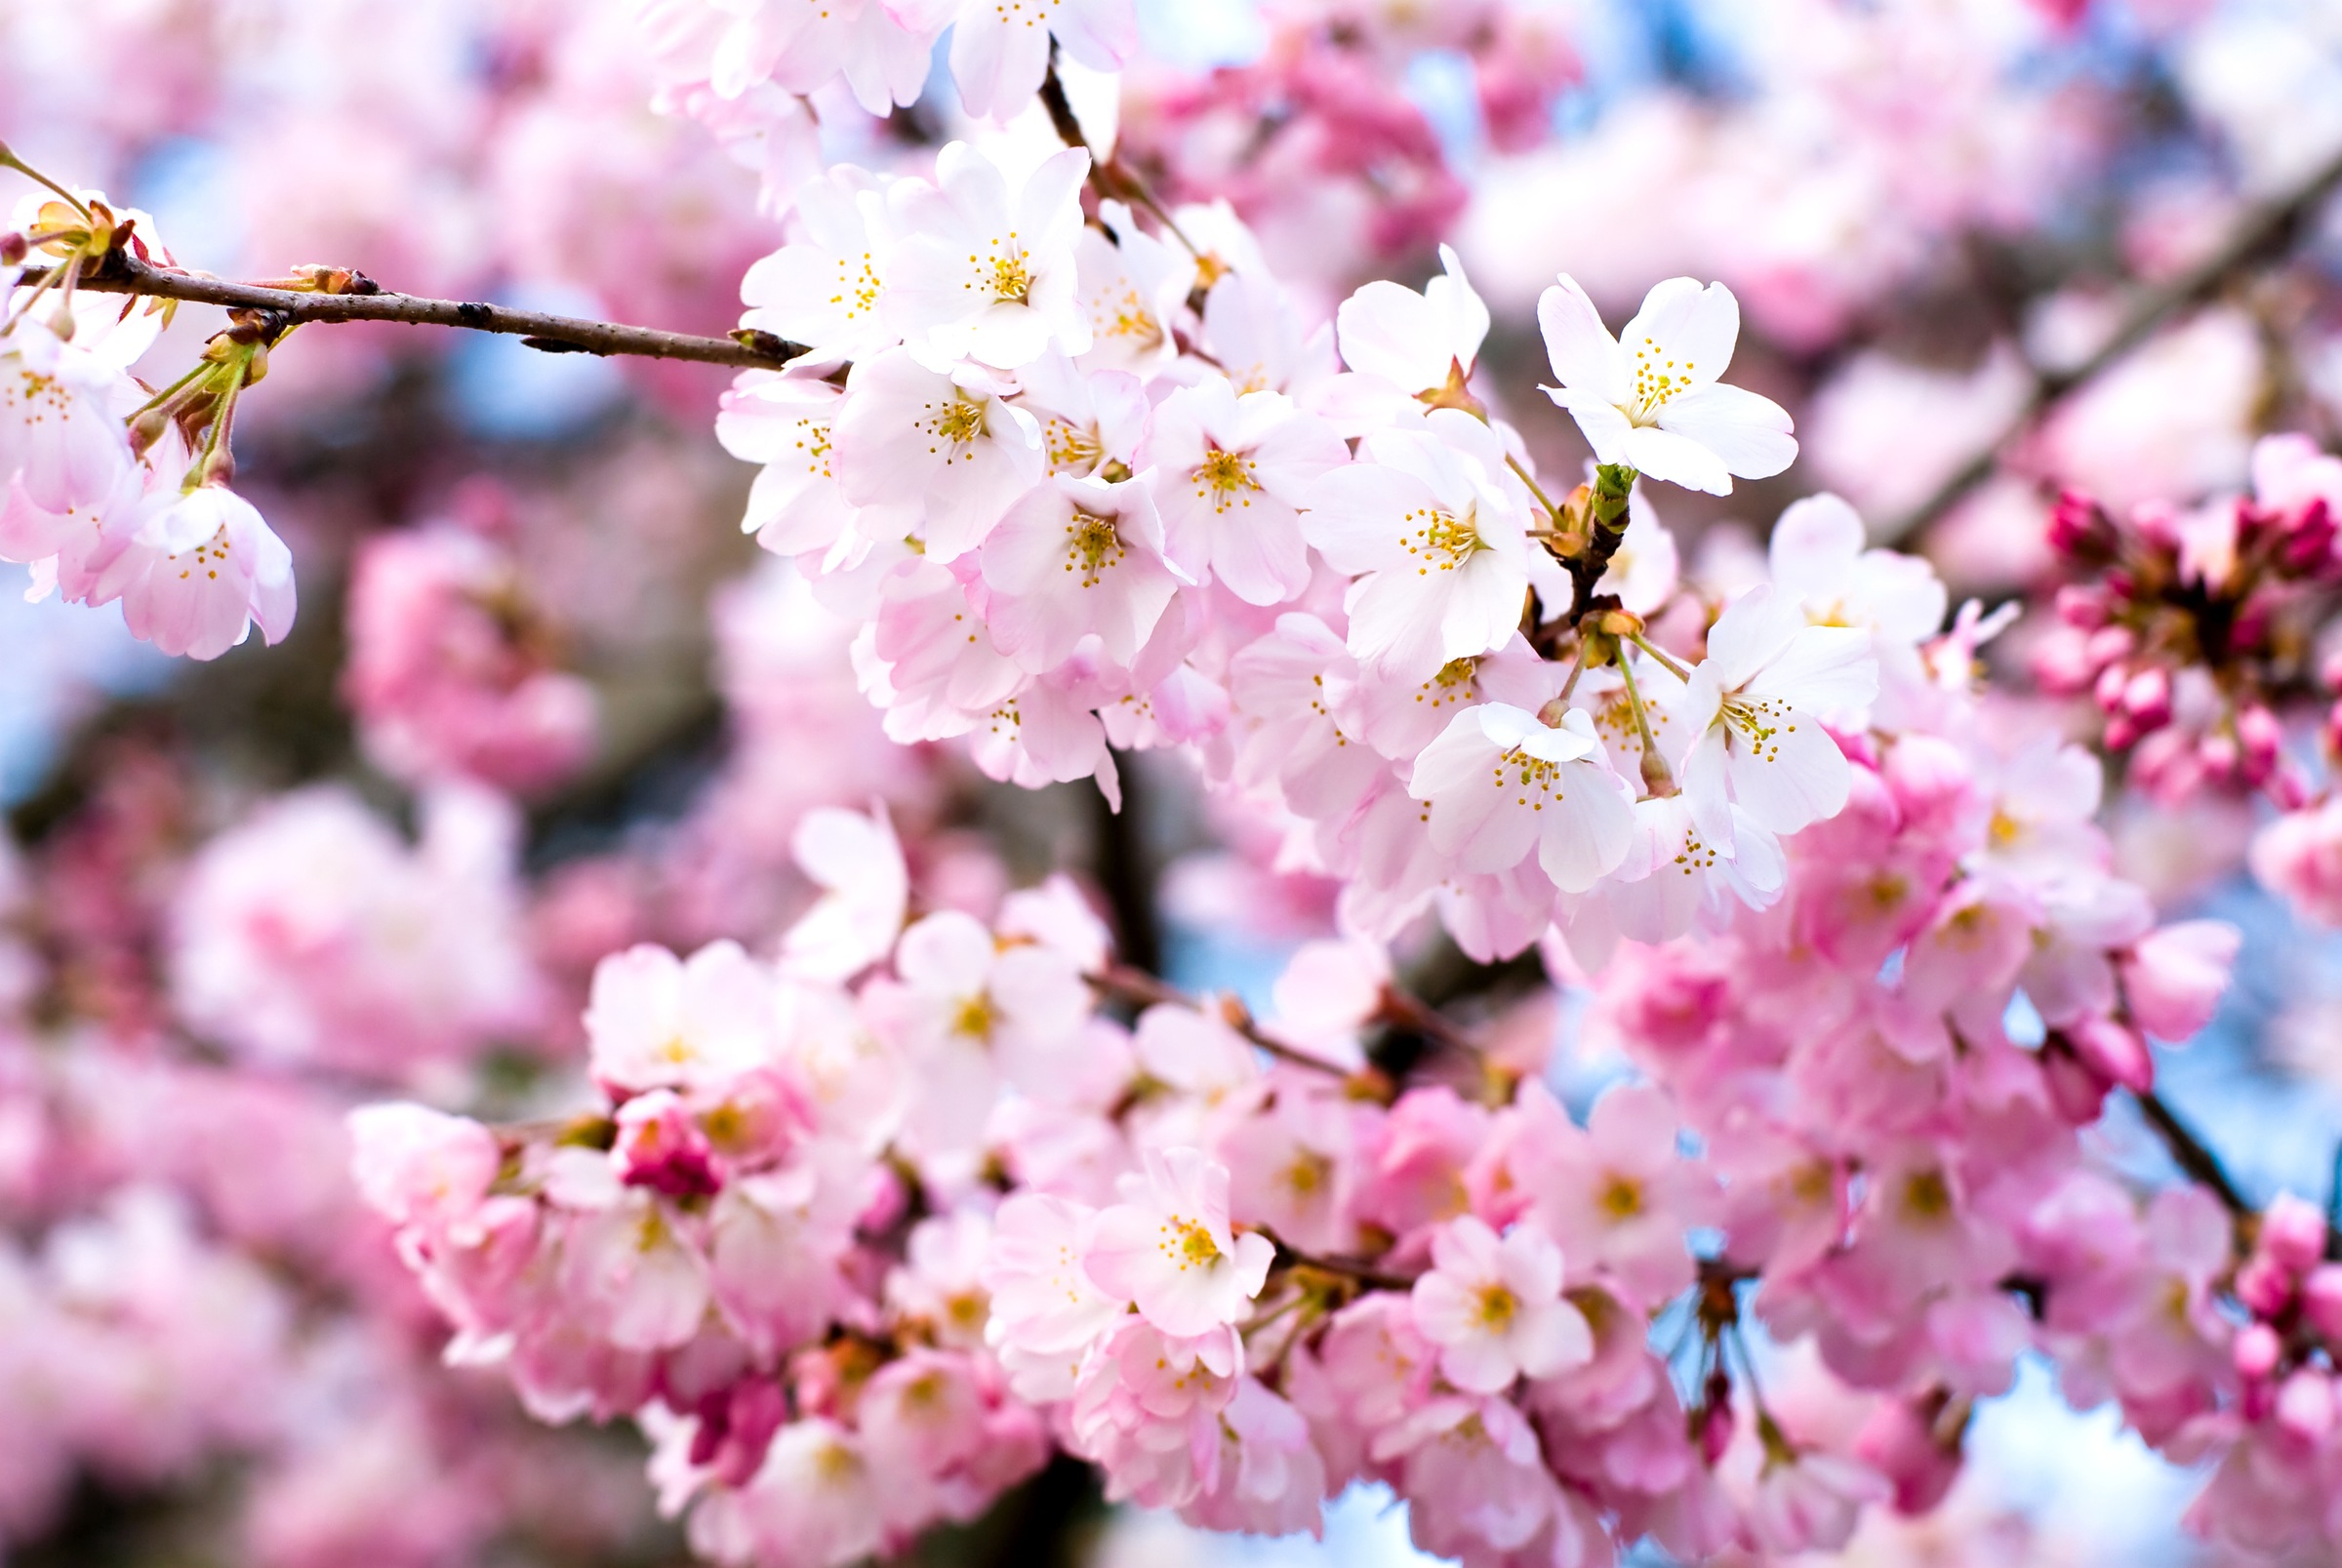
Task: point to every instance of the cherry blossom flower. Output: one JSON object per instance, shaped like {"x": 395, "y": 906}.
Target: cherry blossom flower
{"x": 858, "y": 862}
{"x": 200, "y": 569}
{"x": 1431, "y": 528}
{"x": 1750, "y": 716}
{"x": 1231, "y": 474}
{"x": 1167, "y": 1246}
{"x": 940, "y": 455}
{"x": 1653, "y": 401}
{"x": 1414, "y": 341}
{"x": 1001, "y": 47}
{"x": 1077, "y": 558}
{"x": 660, "y": 1022}
{"x": 824, "y": 289}
{"x": 978, "y": 273}
{"x": 1494, "y": 1307}
{"x": 1499, "y": 784}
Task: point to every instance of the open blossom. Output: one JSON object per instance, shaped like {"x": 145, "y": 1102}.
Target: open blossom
{"x": 1651, "y": 400}
{"x": 1230, "y": 475}
{"x": 1047, "y": 1308}
{"x": 879, "y": 49}
{"x": 1077, "y": 558}
{"x": 1750, "y": 717}
{"x": 660, "y": 1022}
{"x": 1494, "y": 1307}
{"x": 1501, "y": 784}
{"x": 824, "y": 287}
{"x": 1169, "y": 1246}
{"x": 199, "y": 570}
{"x": 858, "y": 862}
{"x": 943, "y": 456}
{"x": 1001, "y": 47}
{"x": 1416, "y": 342}
{"x": 977, "y": 273}
{"x": 1430, "y": 526}
{"x": 59, "y": 437}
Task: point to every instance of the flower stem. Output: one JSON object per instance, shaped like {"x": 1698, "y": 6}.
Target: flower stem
{"x": 10, "y": 160}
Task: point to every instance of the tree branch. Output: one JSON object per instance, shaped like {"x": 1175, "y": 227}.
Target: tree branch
{"x": 366, "y": 301}
{"x": 2188, "y": 1153}
{"x": 2267, "y": 226}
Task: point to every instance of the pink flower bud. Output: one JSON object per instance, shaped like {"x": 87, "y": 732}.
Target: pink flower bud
{"x": 2293, "y": 1234}
{"x": 12, "y": 249}
{"x": 2256, "y": 1351}
{"x": 2112, "y": 1052}
{"x": 2082, "y": 607}
{"x": 2077, "y": 1091}
{"x": 2262, "y": 738}
{"x": 2080, "y": 530}
{"x": 2113, "y": 681}
{"x": 2109, "y": 644}
{"x": 2264, "y": 1285}
{"x": 1905, "y": 1442}
{"x": 2147, "y": 699}
{"x": 2310, "y": 544}
{"x": 660, "y": 1146}
{"x": 2305, "y": 1405}
{"x": 2174, "y": 977}
{"x": 2321, "y": 1300}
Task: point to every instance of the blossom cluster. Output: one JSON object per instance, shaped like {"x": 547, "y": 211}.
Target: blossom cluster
{"x": 110, "y": 493}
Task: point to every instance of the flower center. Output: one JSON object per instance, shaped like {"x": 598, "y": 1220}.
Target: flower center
{"x": 1224, "y": 476}
{"x": 975, "y": 1017}
{"x": 1927, "y": 1195}
{"x": 1498, "y": 1306}
{"x": 1072, "y": 449}
{"x": 1436, "y": 539}
{"x": 1657, "y": 379}
{"x": 1190, "y": 1244}
{"x": 1622, "y": 1199}
{"x": 1757, "y": 722}
{"x": 961, "y": 422}
{"x": 1530, "y": 781}
{"x": 1092, "y": 545}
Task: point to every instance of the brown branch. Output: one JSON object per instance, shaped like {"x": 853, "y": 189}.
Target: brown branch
{"x": 2266, "y": 227}
{"x": 1142, "y": 989}
{"x": 366, "y": 301}
{"x": 2188, "y": 1153}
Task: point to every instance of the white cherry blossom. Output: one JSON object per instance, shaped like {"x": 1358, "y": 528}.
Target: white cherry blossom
{"x": 1499, "y": 784}
{"x": 200, "y": 569}
{"x": 1414, "y": 341}
{"x": 1001, "y": 47}
{"x": 1429, "y": 524}
{"x": 1077, "y": 558}
{"x": 943, "y": 454}
{"x": 658, "y": 1022}
{"x": 979, "y": 272}
{"x": 1135, "y": 288}
{"x": 1230, "y": 475}
{"x": 784, "y": 424}
{"x": 1749, "y": 721}
{"x": 1653, "y": 401}
{"x": 881, "y": 49}
{"x": 824, "y": 289}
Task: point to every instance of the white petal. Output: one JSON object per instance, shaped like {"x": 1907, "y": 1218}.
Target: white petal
{"x": 1748, "y": 433}
{"x": 1583, "y": 355}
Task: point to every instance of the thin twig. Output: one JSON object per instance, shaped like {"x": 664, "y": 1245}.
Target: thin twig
{"x": 2188, "y": 1153}
{"x": 1141, "y": 989}
{"x": 123, "y": 273}
{"x": 2267, "y": 225}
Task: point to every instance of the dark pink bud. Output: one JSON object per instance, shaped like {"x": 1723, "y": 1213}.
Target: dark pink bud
{"x": 12, "y": 249}
{"x": 2310, "y": 544}
{"x": 2112, "y": 1052}
{"x": 1908, "y": 1443}
{"x": 2110, "y": 644}
{"x": 2264, "y": 1285}
{"x": 2081, "y": 531}
{"x": 2113, "y": 681}
{"x": 2082, "y": 607}
{"x": 2147, "y": 699}
{"x": 2256, "y": 1351}
{"x": 660, "y": 1146}
{"x": 2321, "y": 1300}
{"x": 2262, "y": 738}
{"x": 2293, "y": 1233}
{"x": 2076, "y": 1089}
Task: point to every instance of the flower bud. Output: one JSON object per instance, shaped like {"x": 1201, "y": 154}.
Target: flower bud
{"x": 2264, "y": 1287}
{"x": 2081, "y": 531}
{"x": 2305, "y": 1405}
{"x": 2309, "y": 540}
{"x": 2081, "y": 606}
{"x": 2262, "y": 738}
{"x": 2147, "y": 699}
{"x": 2173, "y": 977}
{"x": 2293, "y": 1233}
{"x": 14, "y": 248}
{"x": 2256, "y": 1351}
{"x": 2112, "y": 1052}
{"x": 2321, "y": 1300}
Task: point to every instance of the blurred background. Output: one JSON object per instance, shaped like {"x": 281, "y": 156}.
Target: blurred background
{"x": 544, "y": 699}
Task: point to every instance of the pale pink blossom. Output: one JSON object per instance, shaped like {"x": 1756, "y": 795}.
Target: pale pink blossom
{"x": 1494, "y": 1307}
{"x": 1168, "y": 1247}
{"x": 1230, "y": 475}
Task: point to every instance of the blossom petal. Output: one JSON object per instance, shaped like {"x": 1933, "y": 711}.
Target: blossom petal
{"x": 1748, "y": 434}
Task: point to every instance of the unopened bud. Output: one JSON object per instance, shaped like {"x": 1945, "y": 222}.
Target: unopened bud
{"x": 2080, "y": 530}
{"x": 2147, "y": 699}
{"x": 14, "y": 248}
{"x": 1656, "y": 778}
{"x": 147, "y": 430}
